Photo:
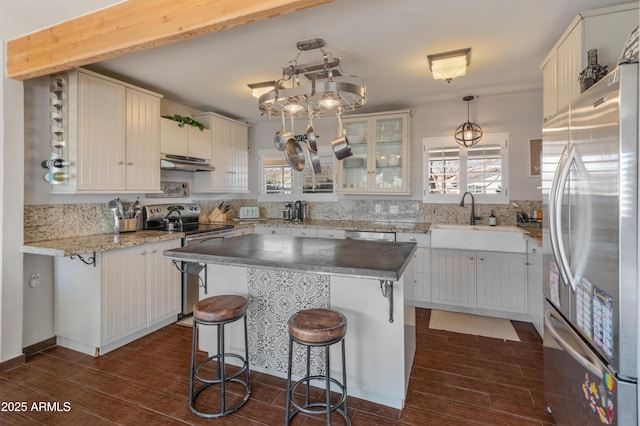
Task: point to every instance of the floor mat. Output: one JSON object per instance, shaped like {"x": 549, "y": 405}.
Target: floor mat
{"x": 473, "y": 324}
{"x": 187, "y": 322}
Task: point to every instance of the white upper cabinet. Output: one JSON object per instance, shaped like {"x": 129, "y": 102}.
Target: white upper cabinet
{"x": 187, "y": 140}
{"x": 112, "y": 133}
{"x": 606, "y": 30}
{"x": 380, "y": 161}
{"x": 229, "y": 156}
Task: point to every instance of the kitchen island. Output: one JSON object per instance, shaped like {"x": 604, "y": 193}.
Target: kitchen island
{"x": 365, "y": 280}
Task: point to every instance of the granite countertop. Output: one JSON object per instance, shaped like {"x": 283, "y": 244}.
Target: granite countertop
{"x": 362, "y": 259}
{"x": 94, "y": 243}
{"x": 354, "y": 225}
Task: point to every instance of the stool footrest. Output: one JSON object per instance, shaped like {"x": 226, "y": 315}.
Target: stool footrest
{"x": 242, "y": 369}
{"x": 305, "y": 408}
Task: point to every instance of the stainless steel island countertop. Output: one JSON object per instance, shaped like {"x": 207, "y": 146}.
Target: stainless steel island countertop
{"x": 363, "y": 259}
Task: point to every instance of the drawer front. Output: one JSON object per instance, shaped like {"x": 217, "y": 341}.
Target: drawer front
{"x": 304, "y": 232}
{"x": 271, "y": 230}
{"x": 339, "y": 234}
{"x": 423, "y": 240}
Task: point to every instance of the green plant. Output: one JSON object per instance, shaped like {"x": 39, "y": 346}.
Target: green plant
{"x": 185, "y": 120}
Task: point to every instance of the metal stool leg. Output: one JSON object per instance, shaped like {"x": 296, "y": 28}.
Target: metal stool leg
{"x": 308, "y": 387}
{"x": 193, "y": 360}
{"x": 288, "y": 405}
{"x": 221, "y": 368}
{"x": 328, "y": 384}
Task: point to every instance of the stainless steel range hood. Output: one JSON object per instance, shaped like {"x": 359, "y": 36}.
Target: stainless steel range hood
{"x": 181, "y": 162}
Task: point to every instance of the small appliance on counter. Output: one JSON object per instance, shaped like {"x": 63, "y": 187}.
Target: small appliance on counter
{"x": 296, "y": 212}
{"x": 249, "y": 212}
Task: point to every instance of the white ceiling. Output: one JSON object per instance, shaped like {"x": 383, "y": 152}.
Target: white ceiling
{"x": 383, "y": 41}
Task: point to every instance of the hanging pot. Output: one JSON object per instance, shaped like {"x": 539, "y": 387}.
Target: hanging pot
{"x": 340, "y": 145}
{"x": 281, "y": 137}
{"x": 293, "y": 152}
{"x": 311, "y": 135}
{"x": 314, "y": 160}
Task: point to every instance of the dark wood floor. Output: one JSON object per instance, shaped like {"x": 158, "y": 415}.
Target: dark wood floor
{"x": 457, "y": 379}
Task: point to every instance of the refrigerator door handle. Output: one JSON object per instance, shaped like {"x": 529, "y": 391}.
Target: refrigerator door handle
{"x": 574, "y": 353}
{"x": 555, "y": 213}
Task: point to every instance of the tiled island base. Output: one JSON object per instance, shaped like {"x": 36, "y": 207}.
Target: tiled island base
{"x": 379, "y": 352}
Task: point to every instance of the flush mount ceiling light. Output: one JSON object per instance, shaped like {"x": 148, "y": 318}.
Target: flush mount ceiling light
{"x": 468, "y": 133}
{"x": 449, "y": 65}
{"x": 313, "y": 88}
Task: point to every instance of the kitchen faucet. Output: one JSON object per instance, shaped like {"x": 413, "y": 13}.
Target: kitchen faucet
{"x": 473, "y": 208}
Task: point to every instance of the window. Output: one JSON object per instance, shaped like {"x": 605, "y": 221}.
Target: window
{"x": 281, "y": 183}
{"x": 451, "y": 169}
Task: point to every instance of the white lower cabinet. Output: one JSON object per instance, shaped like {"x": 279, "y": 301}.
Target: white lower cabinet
{"x": 273, "y": 230}
{"x": 453, "y": 274}
{"x": 338, "y": 234}
{"x": 421, "y": 292}
{"x": 129, "y": 293}
{"x": 493, "y": 281}
{"x": 501, "y": 281}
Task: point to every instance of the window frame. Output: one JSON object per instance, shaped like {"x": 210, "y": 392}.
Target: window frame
{"x": 296, "y": 192}
{"x": 491, "y": 139}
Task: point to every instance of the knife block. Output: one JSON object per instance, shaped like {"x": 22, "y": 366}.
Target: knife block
{"x": 217, "y": 216}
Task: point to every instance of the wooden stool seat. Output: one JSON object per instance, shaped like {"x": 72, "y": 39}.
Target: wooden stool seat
{"x": 220, "y": 308}
{"x": 317, "y": 326}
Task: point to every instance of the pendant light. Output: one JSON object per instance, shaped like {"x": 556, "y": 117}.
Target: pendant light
{"x": 468, "y": 133}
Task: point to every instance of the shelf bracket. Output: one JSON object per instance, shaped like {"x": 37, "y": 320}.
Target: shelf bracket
{"x": 387, "y": 291}
{"x": 193, "y": 268}
{"x": 88, "y": 261}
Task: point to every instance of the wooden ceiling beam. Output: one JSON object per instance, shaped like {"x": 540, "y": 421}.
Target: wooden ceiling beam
{"x": 133, "y": 26}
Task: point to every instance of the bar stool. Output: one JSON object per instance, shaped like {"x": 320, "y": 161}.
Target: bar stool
{"x": 317, "y": 328}
{"x": 219, "y": 311}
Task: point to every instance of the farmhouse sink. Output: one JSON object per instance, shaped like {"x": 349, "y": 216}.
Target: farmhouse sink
{"x": 478, "y": 237}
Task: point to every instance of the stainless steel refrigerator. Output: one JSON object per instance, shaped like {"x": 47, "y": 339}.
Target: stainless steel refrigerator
{"x": 590, "y": 243}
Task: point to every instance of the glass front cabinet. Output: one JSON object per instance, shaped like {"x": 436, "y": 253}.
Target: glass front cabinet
{"x": 380, "y": 161}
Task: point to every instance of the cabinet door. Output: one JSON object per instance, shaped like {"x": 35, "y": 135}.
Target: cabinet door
{"x": 238, "y": 158}
{"x": 199, "y": 142}
{"x": 453, "y": 277}
{"x": 124, "y": 292}
{"x": 174, "y": 139}
{"x": 502, "y": 281}
{"x": 569, "y": 65}
{"x": 101, "y": 134}
{"x": 391, "y": 154}
{"x": 354, "y": 172}
{"x": 142, "y": 141}
{"x": 164, "y": 283}
{"x": 380, "y": 155}
{"x": 549, "y": 88}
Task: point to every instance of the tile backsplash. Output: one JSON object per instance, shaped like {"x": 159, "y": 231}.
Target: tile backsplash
{"x": 54, "y": 221}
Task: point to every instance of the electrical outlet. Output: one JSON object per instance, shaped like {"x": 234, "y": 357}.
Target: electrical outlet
{"x": 393, "y": 209}
{"x": 35, "y": 281}
{"x": 378, "y": 208}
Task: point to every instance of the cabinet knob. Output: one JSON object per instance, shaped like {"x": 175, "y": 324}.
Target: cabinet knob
{"x": 533, "y": 250}
{"x": 273, "y": 232}
{"x": 412, "y": 239}
{"x": 120, "y": 162}
{"x": 130, "y": 163}
{"x": 332, "y": 235}
{"x": 143, "y": 253}
{"x": 470, "y": 257}
{"x": 481, "y": 258}
{"x": 154, "y": 251}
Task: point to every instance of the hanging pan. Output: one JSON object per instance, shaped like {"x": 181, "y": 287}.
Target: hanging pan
{"x": 311, "y": 135}
{"x": 293, "y": 152}
{"x": 340, "y": 145}
{"x": 281, "y": 136}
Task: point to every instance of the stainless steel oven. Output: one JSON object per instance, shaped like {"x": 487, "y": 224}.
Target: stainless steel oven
{"x": 185, "y": 218}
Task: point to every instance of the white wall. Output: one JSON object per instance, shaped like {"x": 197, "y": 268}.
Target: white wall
{"x": 519, "y": 114}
